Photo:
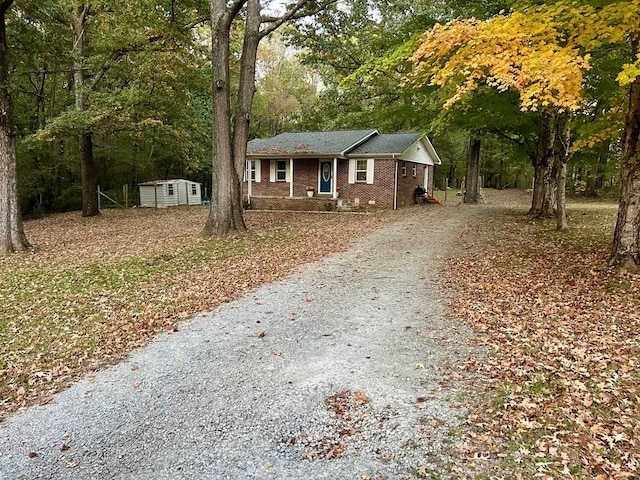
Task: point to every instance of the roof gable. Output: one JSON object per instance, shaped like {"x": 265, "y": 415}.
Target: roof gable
{"x": 409, "y": 146}
{"x": 296, "y": 144}
{"x": 388, "y": 144}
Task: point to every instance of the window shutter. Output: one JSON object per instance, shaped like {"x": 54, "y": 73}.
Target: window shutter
{"x": 370, "y": 164}
{"x": 287, "y": 175}
{"x": 258, "y": 164}
{"x": 247, "y": 163}
{"x": 352, "y": 171}
{"x": 272, "y": 172}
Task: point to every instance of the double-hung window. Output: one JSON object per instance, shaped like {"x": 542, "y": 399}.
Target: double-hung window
{"x": 252, "y": 171}
{"x": 170, "y": 189}
{"x": 281, "y": 170}
{"x": 194, "y": 190}
{"x": 361, "y": 171}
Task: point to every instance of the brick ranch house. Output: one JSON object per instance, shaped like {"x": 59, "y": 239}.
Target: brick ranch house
{"x": 361, "y": 169}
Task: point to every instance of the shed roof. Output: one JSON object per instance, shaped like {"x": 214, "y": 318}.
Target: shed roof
{"x": 296, "y": 144}
{"x": 151, "y": 183}
{"x": 389, "y": 143}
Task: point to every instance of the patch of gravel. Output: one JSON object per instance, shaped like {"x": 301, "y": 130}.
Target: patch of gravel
{"x": 345, "y": 369}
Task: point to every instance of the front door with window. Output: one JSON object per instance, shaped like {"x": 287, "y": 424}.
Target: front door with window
{"x": 325, "y": 176}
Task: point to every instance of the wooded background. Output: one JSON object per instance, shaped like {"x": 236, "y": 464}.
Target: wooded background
{"x": 147, "y": 80}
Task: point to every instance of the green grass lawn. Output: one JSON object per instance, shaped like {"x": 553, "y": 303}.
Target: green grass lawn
{"x": 96, "y": 288}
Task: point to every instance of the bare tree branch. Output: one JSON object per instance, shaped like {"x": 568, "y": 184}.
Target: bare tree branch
{"x": 293, "y": 12}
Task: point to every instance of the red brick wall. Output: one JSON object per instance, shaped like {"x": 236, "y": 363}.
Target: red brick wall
{"x": 306, "y": 174}
{"x": 408, "y": 183}
{"x": 380, "y": 192}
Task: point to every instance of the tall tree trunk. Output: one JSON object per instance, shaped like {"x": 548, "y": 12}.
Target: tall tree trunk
{"x": 12, "y": 237}
{"x": 473, "y": 170}
{"x": 230, "y": 146}
{"x": 225, "y": 214}
{"x": 542, "y": 203}
{"x": 88, "y": 168}
{"x": 626, "y": 239}
{"x": 562, "y": 156}
{"x": 561, "y": 197}
{"x": 246, "y": 87}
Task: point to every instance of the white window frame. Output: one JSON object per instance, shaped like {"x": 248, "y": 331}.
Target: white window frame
{"x": 170, "y": 190}
{"x": 353, "y": 177}
{"x": 361, "y": 171}
{"x": 194, "y": 189}
{"x": 404, "y": 169}
{"x": 253, "y": 166}
{"x": 414, "y": 170}
{"x": 281, "y": 172}
{"x": 273, "y": 176}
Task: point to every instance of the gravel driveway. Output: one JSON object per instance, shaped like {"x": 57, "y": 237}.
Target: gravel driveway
{"x": 346, "y": 369}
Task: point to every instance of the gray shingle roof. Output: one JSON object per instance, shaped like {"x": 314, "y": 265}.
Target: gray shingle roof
{"x": 390, "y": 143}
{"x": 309, "y": 143}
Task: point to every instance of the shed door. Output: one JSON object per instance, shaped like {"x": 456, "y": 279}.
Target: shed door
{"x": 325, "y": 176}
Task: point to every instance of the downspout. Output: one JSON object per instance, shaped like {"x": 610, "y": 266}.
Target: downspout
{"x": 291, "y": 177}
{"x": 395, "y": 185}
{"x": 249, "y": 192}
{"x": 334, "y": 187}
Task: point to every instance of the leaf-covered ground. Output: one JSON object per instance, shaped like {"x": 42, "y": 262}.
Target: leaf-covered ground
{"x": 562, "y": 330}
{"x": 563, "y": 334}
{"x": 96, "y": 288}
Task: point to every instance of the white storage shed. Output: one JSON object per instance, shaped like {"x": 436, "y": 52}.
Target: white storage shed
{"x": 170, "y": 193}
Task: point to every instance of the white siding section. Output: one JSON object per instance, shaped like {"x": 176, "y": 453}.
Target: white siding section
{"x": 147, "y": 197}
{"x": 421, "y": 152}
{"x": 157, "y": 195}
{"x": 417, "y": 153}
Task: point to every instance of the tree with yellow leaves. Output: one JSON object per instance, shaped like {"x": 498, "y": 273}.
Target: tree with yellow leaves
{"x": 543, "y": 53}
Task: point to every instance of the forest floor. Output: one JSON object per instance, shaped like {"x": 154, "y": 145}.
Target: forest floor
{"x": 562, "y": 329}
{"x": 563, "y": 332}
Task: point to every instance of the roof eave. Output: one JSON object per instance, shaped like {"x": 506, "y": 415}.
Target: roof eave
{"x": 373, "y": 155}
{"x": 294, "y": 155}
